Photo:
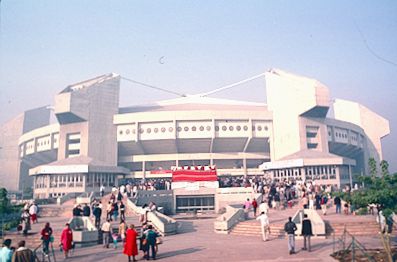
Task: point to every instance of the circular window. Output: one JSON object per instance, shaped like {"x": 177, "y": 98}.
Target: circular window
{"x": 194, "y": 128}
{"x": 156, "y": 130}
{"x": 179, "y": 129}
{"x": 245, "y": 128}
{"x": 259, "y": 128}
{"x": 171, "y": 129}
{"x": 141, "y": 130}
{"x": 186, "y": 128}
{"x": 163, "y": 129}
{"x": 224, "y": 128}
{"x": 238, "y": 128}
{"x": 201, "y": 128}
{"x": 231, "y": 128}
{"x": 253, "y": 128}
{"x": 127, "y": 132}
{"x": 266, "y": 128}
{"x": 149, "y": 130}
{"x": 217, "y": 128}
{"x": 208, "y": 128}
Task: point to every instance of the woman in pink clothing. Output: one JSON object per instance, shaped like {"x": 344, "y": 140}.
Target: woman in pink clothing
{"x": 66, "y": 239}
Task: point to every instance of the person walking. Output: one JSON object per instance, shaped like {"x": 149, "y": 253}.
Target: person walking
{"x": 115, "y": 211}
{"x": 97, "y": 212}
{"x": 151, "y": 237}
{"x": 33, "y": 209}
{"x": 23, "y": 254}
{"x": 106, "y": 233}
{"x": 86, "y": 211}
{"x": 247, "y": 207}
{"x": 254, "y": 206}
{"x": 122, "y": 229}
{"x": 46, "y": 235}
{"x": 102, "y": 190}
{"x": 122, "y": 210}
{"x": 324, "y": 201}
{"x": 264, "y": 219}
{"x": 5, "y": 251}
{"x": 264, "y": 207}
{"x": 130, "y": 246}
{"x": 290, "y": 228}
{"x": 25, "y": 219}
{"x": 66, "y": 239}
{"x": 337, "y": 203}
{"x": 306, "y": 232}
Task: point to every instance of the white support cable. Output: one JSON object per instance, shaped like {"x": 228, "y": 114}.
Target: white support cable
{"x": 153, "y": 87}
{"x": 231, "y": 85}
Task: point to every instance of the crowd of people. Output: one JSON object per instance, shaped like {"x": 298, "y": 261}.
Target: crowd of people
{"x": 276, "y": 195}
{"x": 21, "y": 253}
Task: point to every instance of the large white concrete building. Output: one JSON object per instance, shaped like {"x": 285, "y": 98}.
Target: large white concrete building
{"x": 301, "y": 133}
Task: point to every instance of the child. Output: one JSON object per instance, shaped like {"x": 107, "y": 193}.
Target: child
{"x": 115, "y": 237}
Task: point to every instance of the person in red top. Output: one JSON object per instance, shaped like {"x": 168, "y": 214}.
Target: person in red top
{"x": 130, "y": 247}
{"x": 254, "y": 206}
{"x": 46, "y": 234}
{"x": 66, "y": 239}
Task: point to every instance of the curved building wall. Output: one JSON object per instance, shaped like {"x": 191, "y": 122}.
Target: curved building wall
{"x": 236, "y": 141}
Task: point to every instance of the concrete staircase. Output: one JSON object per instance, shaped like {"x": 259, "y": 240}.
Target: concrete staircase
{"x": 357, "y": 228}
{"x": 253, "y": 228}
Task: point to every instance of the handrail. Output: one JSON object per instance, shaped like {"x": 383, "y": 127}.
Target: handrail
{"x": 354, "y": 244}
{"x": 52, "y": 254}
{"x": 35, "y": 252}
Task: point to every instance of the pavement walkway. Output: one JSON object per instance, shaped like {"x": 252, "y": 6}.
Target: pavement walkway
{"x": 197, "y": 241}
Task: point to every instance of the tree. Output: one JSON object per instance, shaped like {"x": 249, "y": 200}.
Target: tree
{"x": 372, "y": 166}
{"x": 381, "y": 191}
{"x": 384, "y": 167}
{"x": 4, "y": 201}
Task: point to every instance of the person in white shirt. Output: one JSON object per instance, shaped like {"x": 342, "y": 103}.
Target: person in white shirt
{"x": 33, "y": 213}
{"x": 264, "y": 219}
{"x": 264, "y": 207}
{"x": 106, "y": 233}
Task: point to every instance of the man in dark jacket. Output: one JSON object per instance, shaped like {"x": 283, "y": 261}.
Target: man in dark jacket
{"x": 86, "y": 211}
{"x": 77, "y": 211}
{"x": 151, "y": 237}
{"x": 97, "y": 212}
{"x": 290, "y": 229}
{"x": 337, "y": 203}
{"x": 306, "y": 232}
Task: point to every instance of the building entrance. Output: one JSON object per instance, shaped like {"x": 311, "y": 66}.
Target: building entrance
{"x": 194, "y": 202}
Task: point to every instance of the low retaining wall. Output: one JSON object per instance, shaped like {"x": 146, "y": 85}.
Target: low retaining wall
{"x": 164, "y": 224}
{"x": 318, "y": 225}
{"x": 228, "y": 220}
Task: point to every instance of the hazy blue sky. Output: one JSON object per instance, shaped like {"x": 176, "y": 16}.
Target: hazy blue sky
{"x": 46, "y": 45}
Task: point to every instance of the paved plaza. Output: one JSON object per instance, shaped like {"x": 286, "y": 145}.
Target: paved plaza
{"x": 197, "y": 241}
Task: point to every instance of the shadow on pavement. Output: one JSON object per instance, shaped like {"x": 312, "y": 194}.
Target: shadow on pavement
{"x": 179, "y": 252}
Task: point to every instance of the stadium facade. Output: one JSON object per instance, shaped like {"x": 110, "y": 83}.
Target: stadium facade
{"x": 300, "y": 133}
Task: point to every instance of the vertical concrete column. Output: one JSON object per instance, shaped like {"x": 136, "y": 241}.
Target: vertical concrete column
{"x": 337, "y": 173}
{"x": 350, "y": 176}
{"x": 213, "y": 135}
{"x": 84, "y": 177}
{"x": 144, "y": 169}
{"x": 245, "y": 165}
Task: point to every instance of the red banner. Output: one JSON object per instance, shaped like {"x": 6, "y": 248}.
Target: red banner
{"x": 194, "y": 175}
